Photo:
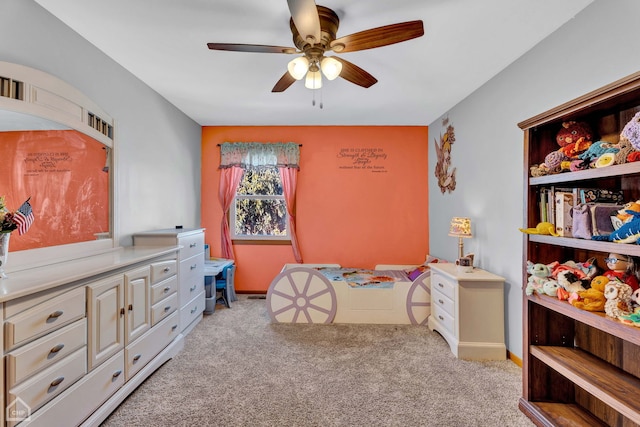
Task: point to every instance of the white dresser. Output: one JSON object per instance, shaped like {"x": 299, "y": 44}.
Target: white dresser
{"x": 190, "y": 273}
{"x": 80, "y": 336}
{"x": 467, "y": 309}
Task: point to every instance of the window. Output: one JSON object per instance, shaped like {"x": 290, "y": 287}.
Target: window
{"x": 259, "y": 210}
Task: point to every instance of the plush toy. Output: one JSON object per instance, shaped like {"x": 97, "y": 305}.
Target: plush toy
{"x": 545, "y": 228}
{"x": 618, "y": 297}
{"x": 597, "y": 149}
{"x": 582, "y": 270}
{"x": 593, "y": 299}
{"x": 631, "y": 131}
{"x": 629, "y": 232}
{"x": 571, "y": 283}
{"x": 622, "y": 214}
{"x": 538, "y": 275}
{"x": 574, "y": 138}
{"x": 624, "y": 149}
{"x": 550, "y": 287}
{"x": 573, "y": 132}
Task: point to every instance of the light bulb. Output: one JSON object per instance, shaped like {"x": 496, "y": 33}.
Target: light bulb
{"x": 298, "y": 67}
{"x": 331, "y": 67}
{"x": 313, "y": 80}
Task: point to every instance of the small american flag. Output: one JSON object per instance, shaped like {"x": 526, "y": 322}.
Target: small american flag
{"x": 24, "y": 217}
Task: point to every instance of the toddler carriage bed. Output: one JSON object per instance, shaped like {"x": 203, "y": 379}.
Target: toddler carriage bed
{"x": 328, "y": 293}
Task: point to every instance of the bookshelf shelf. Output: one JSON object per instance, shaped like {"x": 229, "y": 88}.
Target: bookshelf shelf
{"x": 579, "y": 367}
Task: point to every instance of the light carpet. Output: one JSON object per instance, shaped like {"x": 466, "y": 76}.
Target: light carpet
{"x": 239, "y": 369}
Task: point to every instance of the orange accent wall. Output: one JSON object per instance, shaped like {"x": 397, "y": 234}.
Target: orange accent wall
{"x": 362, "y": 197}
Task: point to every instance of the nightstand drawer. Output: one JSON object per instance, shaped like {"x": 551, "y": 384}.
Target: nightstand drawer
{"x": 443, "y": 284}
{"x": 445, "y": 304}
{"x": 444, "y": 319}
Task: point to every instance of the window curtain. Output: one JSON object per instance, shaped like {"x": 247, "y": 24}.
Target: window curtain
{"x": 235, "y": 157}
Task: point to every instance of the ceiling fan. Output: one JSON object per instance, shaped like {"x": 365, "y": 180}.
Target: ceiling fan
{"x": 314, "y": 30}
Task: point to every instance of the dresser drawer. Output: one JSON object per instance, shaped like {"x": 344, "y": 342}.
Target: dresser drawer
{"x": 444, "y": 319}
{"x": 49, "y": 383}
{"x": 443, "y": 284}
{"x": 164, "y": 308}
{"x": 150, "y": 344}
{"x": 162, "y": 270}
{"x": 191, "y": 245}
{"x": 191, "y": 310}
{"x": 163, "y": 289}
{"x": 45, "y": 317}
{"x": 445, "y": 304}
{"x": 192, "y": 283}
{"x": 37, "y": 355}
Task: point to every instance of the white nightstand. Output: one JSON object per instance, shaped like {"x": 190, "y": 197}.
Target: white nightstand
{"x": 467, "y": 309}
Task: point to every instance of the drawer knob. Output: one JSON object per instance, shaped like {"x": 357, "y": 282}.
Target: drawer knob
{"x": 440, "y": 301}
{"x": 167, "y": 308}
{"x": 56, "y": 349}
{"x": 174, "y": 327}
{"x": 167, "y": 289}
{"x": 122, "y": 312}
{"x": 440, "y": 317}
{"x": 54, "y": 316}
{"x": 193, "y": 310}
{"x": 56, "y": 382}
{"x": 136, "y": 358}
{"x": 166, "y": 269}
{"x": 117, "y": 373}
{"x": 193, "y": 288}
{"x": 194, "y": 266}
{"x": 193, "y": 245}
{"x": 441, "y": 285}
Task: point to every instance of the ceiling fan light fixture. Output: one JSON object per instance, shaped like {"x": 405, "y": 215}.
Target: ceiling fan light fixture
{"x": 298, "y": 67}
{"x": 331, "y": 67}
{"x": 313, "y": 80}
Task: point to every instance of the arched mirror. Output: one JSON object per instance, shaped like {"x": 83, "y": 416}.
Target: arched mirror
{"x": 56, "y": 148}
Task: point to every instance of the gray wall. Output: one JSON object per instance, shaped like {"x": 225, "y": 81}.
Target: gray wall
{"x": 158, "y": 147}
{"x": 595, "y": 48}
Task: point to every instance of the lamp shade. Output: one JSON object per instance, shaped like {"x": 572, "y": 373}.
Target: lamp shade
{"x": 330, "y": 67}
{"x": 298, "y": 67}
{"x": 313, "y": 80}
{"x": 460, "y": 227}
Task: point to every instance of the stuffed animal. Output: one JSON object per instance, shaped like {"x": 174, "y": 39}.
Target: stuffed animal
{"x": 597, "y": 149}
{"x": 624, "y": 149}
{"x": 622, "y": 214}
{"x": 593, "y": 299}
{"x": 538, "y": 275}
{"x": 629, "y": 232}
{"x": 574, "y": 138}
{"x": 631, "y": 131}
{"x": 571, "y": 283}
{"x": 618, "y": 297}
{"x": 573, "y": 132}
{"x": 550, "y": 287}
{"x": 545, "y": 228}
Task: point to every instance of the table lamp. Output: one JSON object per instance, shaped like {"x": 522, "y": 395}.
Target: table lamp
{"x": 460, "y": 227}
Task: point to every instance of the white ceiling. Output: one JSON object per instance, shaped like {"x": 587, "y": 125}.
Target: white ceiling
{"x": 163, "y": 43}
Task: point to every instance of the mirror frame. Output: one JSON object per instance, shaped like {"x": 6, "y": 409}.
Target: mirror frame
{"x": 30, "y": 91}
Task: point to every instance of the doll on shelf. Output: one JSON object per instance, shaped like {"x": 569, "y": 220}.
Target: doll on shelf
{"x": 624, "y": 268}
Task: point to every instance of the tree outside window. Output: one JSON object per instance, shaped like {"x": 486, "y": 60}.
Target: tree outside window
{"x": 259, "y": 210}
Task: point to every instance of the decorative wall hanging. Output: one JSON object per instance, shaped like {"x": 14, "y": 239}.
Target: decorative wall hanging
{"x": 446, "y": 177}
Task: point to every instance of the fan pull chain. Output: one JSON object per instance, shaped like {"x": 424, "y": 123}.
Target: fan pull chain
{"x": 321, "y": 99}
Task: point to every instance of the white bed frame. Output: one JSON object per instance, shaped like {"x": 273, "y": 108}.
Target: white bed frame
{"x": 301, "y": 294}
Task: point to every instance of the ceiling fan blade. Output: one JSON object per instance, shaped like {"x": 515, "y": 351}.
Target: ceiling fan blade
{"x": 259, "y": 48}
{"x": 377, "y": 37}
{"x": 304, "y": 14}
{"x": 283, "y": 84}
{"x": 355, "y": 74}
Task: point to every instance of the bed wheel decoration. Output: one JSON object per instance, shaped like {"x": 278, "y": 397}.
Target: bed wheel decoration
{"x": 419, "y": 300}
{"x": 300, "y": 295}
